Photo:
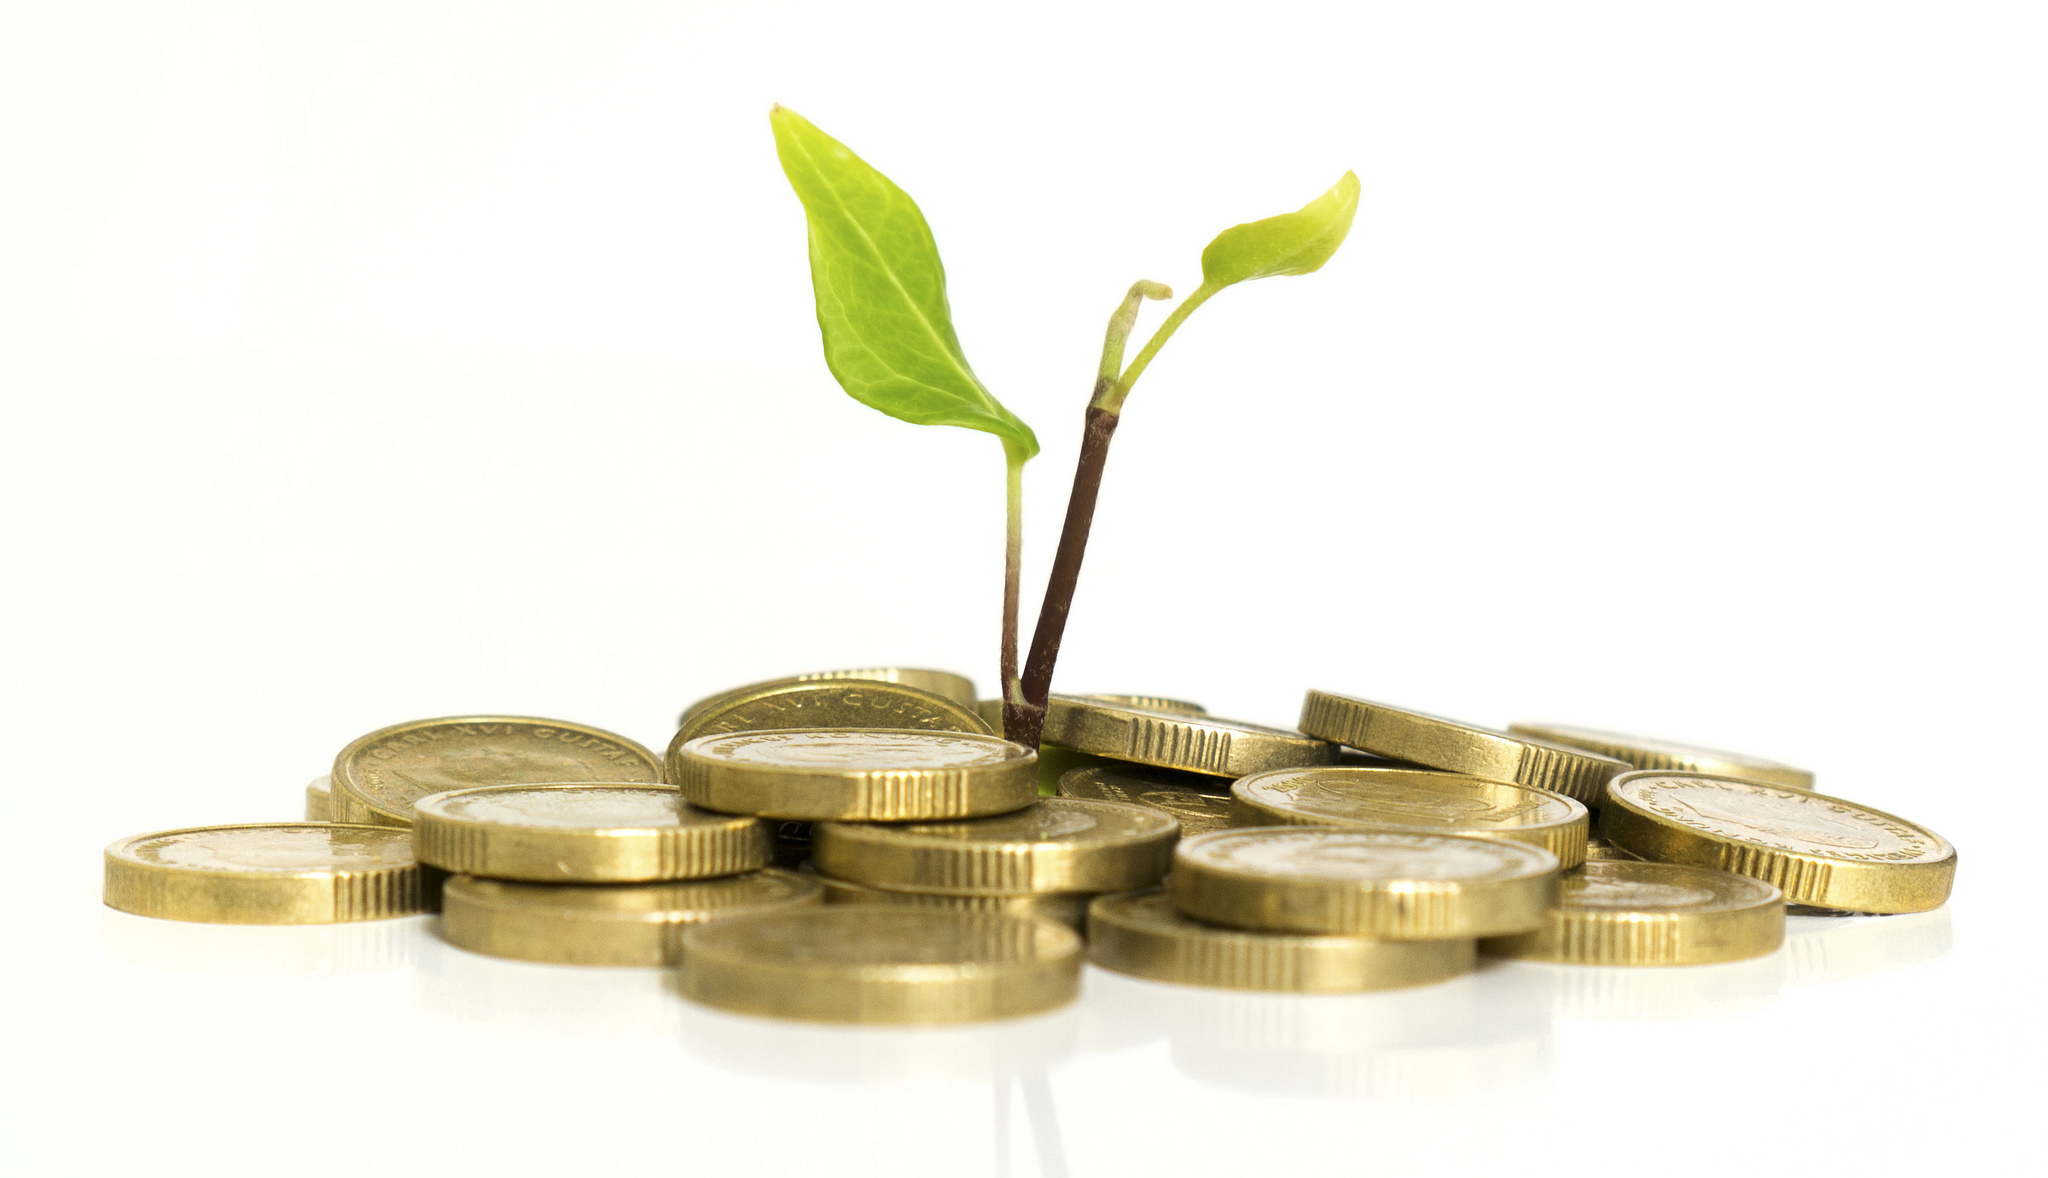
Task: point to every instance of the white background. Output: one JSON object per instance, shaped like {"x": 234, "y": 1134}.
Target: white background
{"x": 363, "y": 362}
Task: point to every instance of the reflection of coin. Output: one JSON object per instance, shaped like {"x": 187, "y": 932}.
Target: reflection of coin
{"x": 1052, "y": 845}
{"x": 607, "y": 924}
{"x": 281, "y": 873}
{"x": 583, "y": 834}
{"x": 1653, "y": 914}
{"x": 1392, "y": 886}
{"x": 1173, "y": 740}
{"x": 1140, "y": 933}
{"x": 1644, "y": 753}
{"x": 1069, "y": 908}
{"x": 1818, "y": 850}
{"x": 1199, "y": 803}
{"x": 319, "y": 799}
{"x": 856, "y": 775}
{"x": 862, "y": 963}
{"x": 958, "y": 688}
{"x": 378, "y": 777}
{"x": 1460, "y": 748}
{"x": 806, "y": 703}
{"x": 1413, "y": 801}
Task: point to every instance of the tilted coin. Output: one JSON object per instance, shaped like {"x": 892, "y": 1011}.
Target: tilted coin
{"x": 827, "y": 703}
{"x": 378, "y": 777}
{"x": 1816, "y": 849}
{"x": 866, "y": 963}
{"x": 1052, "y": 845}
{"x": 580, "y": 833}
{"x": 1460, "y": 748}
{"x": 1140, "y": 933}
{"x": 1198, "y": 802}
{"x": 319, "y": 799}
{"x": 1069, "y": 908}
{"x": 1413, "y": 801}
{"x": 958, "y": 688}
{"x": 1151, "y": 703}
{"x": 1396, "y": 887}
{"x": 856, "y": 775}
{"x": 1170, "y": 740}
{"x": 266, "y": 873}
{"x": 1599, "y": 850}
{"x": 1645, "y": 753}
{"x": 607, "y": 924}
{"x": 1652, "y": 914}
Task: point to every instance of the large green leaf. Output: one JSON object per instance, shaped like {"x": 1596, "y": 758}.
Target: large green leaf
{"x": 1291, "y": 243}
{"x": 882, "y": 291}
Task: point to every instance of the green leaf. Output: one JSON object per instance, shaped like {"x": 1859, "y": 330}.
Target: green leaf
{"x": 882, "y": 291}
{"x": 1291, "y": 243}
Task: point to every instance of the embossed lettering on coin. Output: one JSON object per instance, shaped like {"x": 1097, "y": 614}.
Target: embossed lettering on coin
{"x": 1782, "y": 818}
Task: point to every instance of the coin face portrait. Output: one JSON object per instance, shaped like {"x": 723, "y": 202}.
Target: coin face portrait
{"x": 282, "y": 849}
{"x": 1362, "y": 856}
{"x": 1782, "y": 818}
{"x": 857, "y": 750}
{"x": 630, "y": 807}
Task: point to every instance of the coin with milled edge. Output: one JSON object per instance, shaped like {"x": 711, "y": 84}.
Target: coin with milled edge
{"x": 827, "y": 703}
{"x": 1069, "y": 908}
{"x": 1818, "y": 850}
{"x": 319, "y": 799}
{"x": 958, "y": 688}
{"x": 608, "y": 924}
{"x": 579, "y": 833}
{"x": 1199, "y": 803}
{"x": 1413, "y": 801}
{"x": 1176, "y": 740}
{"x": 867, "y": 963}
{"x": 1052, "y": 845}
{"x": 856, "y": 775}
{"x": 1151, "y": 703}
{"x": 1396, "y": 887}
{"x": 1645, "y": 753}
{"x": 1141, "y": 933}
{"x": 1460, "y": 748}
{"x": 1652, "y": 914}
{"x": 265, "y": 873}
{"x": 378, "y": 777}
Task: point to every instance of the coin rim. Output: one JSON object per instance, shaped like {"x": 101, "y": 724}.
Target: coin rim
{"x": 1629, "y": 748}
{"x": 347, "y": 800}
{"x": 1564, "y": 837}
{"x": 982, "y": 790}
{"x": 1573, "y": 772}
{"x": 722, "y": 844}
{"x": 903, "y": 859}
{"x": 1168, "y": 740}
{"x": 740, "y": 697}
{"x": 1650, "y": 937}
{"x": 222, "y": 895}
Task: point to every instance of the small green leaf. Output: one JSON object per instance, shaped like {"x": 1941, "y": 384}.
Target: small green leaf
{"x": 1291, "y": 243}
{"x": 882, "y": 291}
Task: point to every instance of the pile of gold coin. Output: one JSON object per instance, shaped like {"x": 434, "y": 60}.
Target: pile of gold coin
{"x": 861, "y": 846}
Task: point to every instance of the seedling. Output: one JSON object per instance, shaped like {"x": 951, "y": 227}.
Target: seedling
{"x": 889, "y": 340}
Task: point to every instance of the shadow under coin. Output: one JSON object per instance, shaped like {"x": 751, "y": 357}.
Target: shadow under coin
{"x": 529, "y": 999}
{"x": 264, "y": 951}
{"x": 1828, "y": 948}
{"x": 1484, "y": 1034}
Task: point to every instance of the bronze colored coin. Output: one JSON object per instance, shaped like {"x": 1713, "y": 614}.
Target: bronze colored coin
{"x": 1140, "y": 933}
{"x": 1052, "y": 845}
{"x": 866, "y": 963}
{"x": 319, "y": 799}
{"x": 1460, "y": 748}
{"x": 1199, "y": 803}
{"x": 1170, "y": 740}
{"x": 580, "y": 833}
{"x": 1151, "y": 703}
{"x": 1413, "y": 801}
{"x": 1069, "y": 908}
{"x": 958, "y": 688}
{"x": 808, "y": 703}
{"x": 856, "y": 775}
{"x": 1818, "y": 850}
{"x": 265, "y": 873}
{"x": 378, "y": 777}
{"x": 607, "y": 924}
{"x": 1396, "y": 887}
{"x": 1652, "y": 914}
{"x": 1599, "y": 850}
{"x": 1644, "y": 753}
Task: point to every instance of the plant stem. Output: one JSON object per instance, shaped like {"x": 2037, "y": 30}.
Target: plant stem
{"x": 1023, "y": 720}
{"x": 1013, "y": 569}
{"x": 1112, "y": 398}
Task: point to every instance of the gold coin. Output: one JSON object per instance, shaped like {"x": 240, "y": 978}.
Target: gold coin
{"x": 579, "y": 833}
{"x": 1599, "y": 850}
{"x": 799, "y": 703}
{"x": 1645, "y": 753}
{"x": 1199, "y": 803}
{"x": 265, "y": 873}
{"x": 378, "y": 777}
{"x": 1069, "y": 908}
{"x": 1460, "y": 748}
{"x": 1141, "y": 933}
{"x": 607, "y": 924}
{"x": 1396, "y": 887}
{"x": 319, "y": 799}
{"x": 1169, "y": 740}
{"x": 1652, "y": 914}
{"x": 1816, "y": 849}
{"x": 958, "y": 688}
{"x": 1151, "y": 703}
{"x": 1052, "y": 845}
{"x": 866, "y": 963}
{"x": 1413, "y": 801}
{"x": 856, "y": 775}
